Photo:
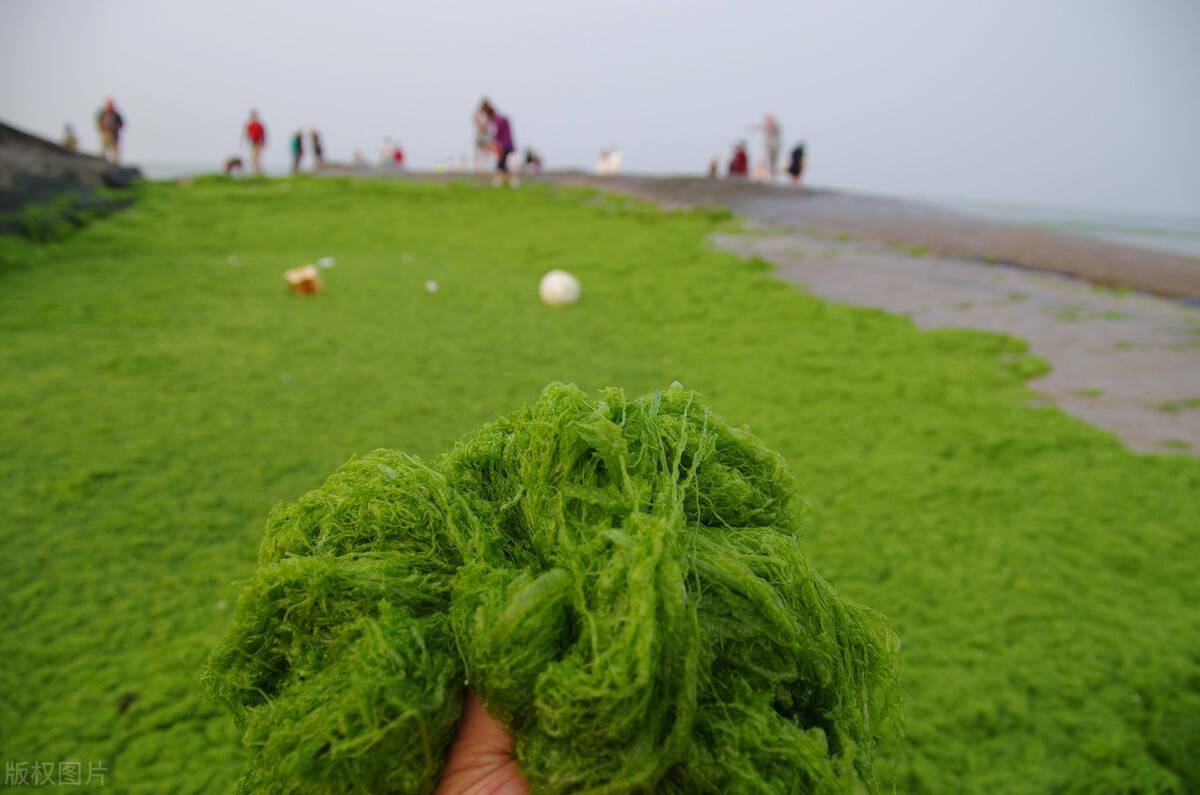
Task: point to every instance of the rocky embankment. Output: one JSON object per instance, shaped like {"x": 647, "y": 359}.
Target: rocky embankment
{"x": 34, "y": 171}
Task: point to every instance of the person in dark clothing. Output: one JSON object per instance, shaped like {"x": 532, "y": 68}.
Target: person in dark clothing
{"x": 504, "y": 144}
{"x": 317, "y": 150}
{"x": 297, "y": 150}
{"x": 110, "y": 124}
{"x": 796, "y": 166}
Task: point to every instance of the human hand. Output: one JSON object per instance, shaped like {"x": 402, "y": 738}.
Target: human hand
{"x": 481, "y": 760}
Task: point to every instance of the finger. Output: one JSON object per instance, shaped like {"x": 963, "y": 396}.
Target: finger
{"x": 481, "y": 761}
{"x": 481, "y": 732}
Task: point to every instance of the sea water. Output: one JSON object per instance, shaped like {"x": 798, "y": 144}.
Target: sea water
{"x": 1174, "y": 233}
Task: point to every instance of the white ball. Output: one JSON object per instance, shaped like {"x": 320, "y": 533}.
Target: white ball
{"x": 431, "y": 286}
{"x": 558, "y": 288}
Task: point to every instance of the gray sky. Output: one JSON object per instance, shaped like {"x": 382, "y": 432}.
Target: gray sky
{"x": 1078, "y": 104}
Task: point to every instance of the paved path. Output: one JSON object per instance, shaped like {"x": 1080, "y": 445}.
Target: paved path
{"x": 1127, "y": 362}
{"x": 916, "y": 225}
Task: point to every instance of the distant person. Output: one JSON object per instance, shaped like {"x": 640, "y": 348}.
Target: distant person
{"x": 714, "y": 167}
{"x": 739, "y": 164}
{"x": 480, "y": 160}
{"x": 391, "y": 154}
{"x": 609, "y": 162}
{"x": 318, "y": 151}
{"x": 360, "y": 160}
{"x": 771, "y": 142}
{"x": 69, "y": 139}
{"x": 503, "y": 144}
{"x": 110, "y": 124}
{"x": 256, "y": 135}
{"x": 297, "y": 150}
{"x": 796, "y": 166}
{"x": 615, "y": 159}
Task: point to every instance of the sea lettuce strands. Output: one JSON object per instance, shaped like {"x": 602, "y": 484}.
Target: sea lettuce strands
{"x": 623, "y": 583}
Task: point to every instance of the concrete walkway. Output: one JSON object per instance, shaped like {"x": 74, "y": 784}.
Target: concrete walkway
{"x": 914, "y": 225}
{"x": 1124, "y": 361}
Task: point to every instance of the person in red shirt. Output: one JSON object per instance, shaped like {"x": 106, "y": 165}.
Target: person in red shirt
{"x": 739, "y": 164}
{"x": 256, "y": 135}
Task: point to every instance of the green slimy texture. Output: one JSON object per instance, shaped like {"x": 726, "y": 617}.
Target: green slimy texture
{"x": 1042, "y": 575}
{"x": 622, "y": 583}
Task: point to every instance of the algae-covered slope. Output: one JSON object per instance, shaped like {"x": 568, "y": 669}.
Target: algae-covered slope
{"x": 167, "y": 389}
{"x": 620, "y": 580}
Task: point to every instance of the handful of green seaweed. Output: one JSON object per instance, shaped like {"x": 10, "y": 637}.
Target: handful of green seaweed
{"x": 622, "y": 583}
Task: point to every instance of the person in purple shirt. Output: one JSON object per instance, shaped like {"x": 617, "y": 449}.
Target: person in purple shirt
{"x": 502, "y": 140}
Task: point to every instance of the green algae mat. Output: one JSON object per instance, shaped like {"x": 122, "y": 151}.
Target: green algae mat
{"x": 162, "y": 393}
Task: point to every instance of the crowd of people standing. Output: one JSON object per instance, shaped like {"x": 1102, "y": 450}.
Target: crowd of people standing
{"x": 767, "y": 168}
{"x": 254, "y": 134}
{"x": 297, "y": 149}
{"x": 494, "y": 148}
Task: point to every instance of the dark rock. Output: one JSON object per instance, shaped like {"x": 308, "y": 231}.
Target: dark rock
{"x": 121, "y": 177}
{"x": 34, "y": 171}
{"x": 32, "y": 168}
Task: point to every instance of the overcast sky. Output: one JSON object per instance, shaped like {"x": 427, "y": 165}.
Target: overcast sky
{"x": 1078, "y": 104}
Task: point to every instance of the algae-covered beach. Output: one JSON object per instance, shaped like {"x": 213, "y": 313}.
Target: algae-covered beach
{"x": 163, "y": 390}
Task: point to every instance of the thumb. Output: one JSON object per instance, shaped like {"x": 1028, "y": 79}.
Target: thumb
{"x": 481, "y": 761}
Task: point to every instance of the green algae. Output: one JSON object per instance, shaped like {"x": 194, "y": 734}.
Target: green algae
{"x": 1176, "y": 406}
{"x": 1041, "y": 574}
{"x": 622, "y": 582}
